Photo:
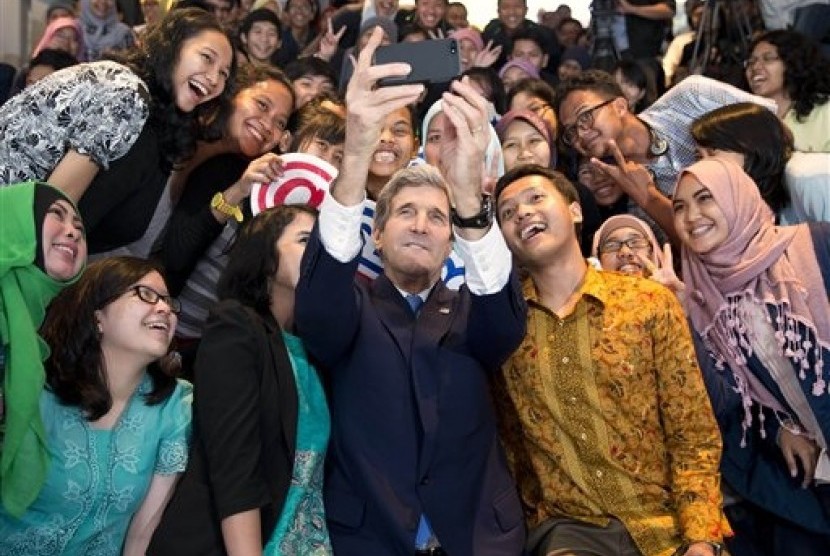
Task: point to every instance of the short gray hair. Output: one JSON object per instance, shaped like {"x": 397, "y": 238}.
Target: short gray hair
{"x": 422, "y": 175}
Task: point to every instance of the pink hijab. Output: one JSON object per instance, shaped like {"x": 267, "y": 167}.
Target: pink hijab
{"x": 762, "y": 263}
{"x": 54, "y": 27}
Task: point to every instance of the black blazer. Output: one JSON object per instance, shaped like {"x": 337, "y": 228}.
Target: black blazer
{"x": 413, "y": 429}
{"x": 245, "y": 428}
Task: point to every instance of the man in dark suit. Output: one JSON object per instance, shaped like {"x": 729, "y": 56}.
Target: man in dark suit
{"x": 415, "y": 466}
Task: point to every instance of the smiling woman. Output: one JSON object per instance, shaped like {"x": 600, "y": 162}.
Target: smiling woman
{"x": 255, "y": 482}
{"x": 89, "y": 129}
{"x": 43, "y": 250}
{"x": 115, "y": 424}
{"x": 759, "y": 302}
{"x": 215, "y": 188}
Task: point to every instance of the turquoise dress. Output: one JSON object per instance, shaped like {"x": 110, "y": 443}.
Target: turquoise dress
{"x": 301, "y": 528}
{"x": 98, "y": 478}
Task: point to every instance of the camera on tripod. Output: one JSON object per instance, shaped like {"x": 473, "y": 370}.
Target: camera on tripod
{"x": 722, "y": 40}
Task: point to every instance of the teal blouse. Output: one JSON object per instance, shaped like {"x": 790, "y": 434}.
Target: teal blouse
{"x": 98, "y": 478}
{"x": 301, "y": 528}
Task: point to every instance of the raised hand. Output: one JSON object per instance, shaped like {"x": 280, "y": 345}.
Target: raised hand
{"x": 488, "y": 56}
{"x": 436, "y": 33}
{"x": 330, "y": 40}
{"x": 463, "y": 145}
{"x": 264, "y": 169}
{"x": 664, "y": 274}
{"x": 632, "y": 177}
{"x": 637, "y": 182}
{"x": 367, "y": 106}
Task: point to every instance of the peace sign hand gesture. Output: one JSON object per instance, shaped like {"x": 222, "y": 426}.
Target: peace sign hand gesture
{"x": 664, "y": 274}
{"x": 329, "y": 42}
{"x": 637, "y": 182}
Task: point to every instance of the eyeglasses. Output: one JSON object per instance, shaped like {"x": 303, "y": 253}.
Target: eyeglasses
{"x": 583, "y": 121}
{"x": 766, "y": 58}
{"x": 613, "y": 246}
{"x": 151, "y": 296}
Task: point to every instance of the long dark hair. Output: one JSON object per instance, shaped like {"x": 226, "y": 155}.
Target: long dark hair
{"x": 737, "y": 128}
{"x": 806, "y": 70}
{"x": 155, "y": 61}
{"x": 76, "y": 369}
{"x": 253, "y": 258}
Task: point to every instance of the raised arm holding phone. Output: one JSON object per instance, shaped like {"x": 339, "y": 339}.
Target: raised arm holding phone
{"x": 415, "y": 466}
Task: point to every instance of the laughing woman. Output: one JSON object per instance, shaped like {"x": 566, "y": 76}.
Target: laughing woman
{"x": 108, "y": 134}
{"x": 116, "y": 424}
{"x": 43, "y": 249}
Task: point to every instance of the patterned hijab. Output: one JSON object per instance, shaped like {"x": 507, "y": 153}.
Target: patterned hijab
{"x": 25, "y": 292}
{"x": 761, "y": 263}
{"x": 531, "y": 118}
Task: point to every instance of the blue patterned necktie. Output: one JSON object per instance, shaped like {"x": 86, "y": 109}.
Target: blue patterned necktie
{"x": 415, "y": 302}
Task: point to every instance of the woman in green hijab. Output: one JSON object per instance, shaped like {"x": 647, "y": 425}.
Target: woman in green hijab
{"x": 42, "y": 249}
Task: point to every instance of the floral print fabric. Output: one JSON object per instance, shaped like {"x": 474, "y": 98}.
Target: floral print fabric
{"x": 302, "y": 528}
{"x": 98, "y": 478}
{"x": 604, "y": 413}
{"x": 96, "y": 109}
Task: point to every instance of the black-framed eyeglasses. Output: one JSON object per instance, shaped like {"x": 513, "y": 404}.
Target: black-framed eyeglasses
{"x": 151, "y": 296}
{"x": 583, "y": 121}
{"x": 613, "y": 245}
{"x": 766, "y": 58}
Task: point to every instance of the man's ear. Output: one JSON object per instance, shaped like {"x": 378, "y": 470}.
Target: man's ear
{"x": 545, "y": 58}
{"x": 621, "y": 105}
{"x": 377, "y": 237}
{"x": 576, "y": 212}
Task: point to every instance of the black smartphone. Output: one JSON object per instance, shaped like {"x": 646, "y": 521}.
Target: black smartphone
{"x": 432, "y": 61}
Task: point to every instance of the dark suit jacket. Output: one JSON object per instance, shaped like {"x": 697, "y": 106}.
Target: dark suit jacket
{"x": 245, "y": 429}
{"x": 413, "y": 429}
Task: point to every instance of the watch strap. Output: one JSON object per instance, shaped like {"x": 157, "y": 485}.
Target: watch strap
{"x": 481, "y": 220}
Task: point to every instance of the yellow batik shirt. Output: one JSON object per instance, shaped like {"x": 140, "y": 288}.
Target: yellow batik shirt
{"x": 604, "y": 413}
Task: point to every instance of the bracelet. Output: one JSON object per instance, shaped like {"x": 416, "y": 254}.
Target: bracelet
{"x": 219, "y": 203}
